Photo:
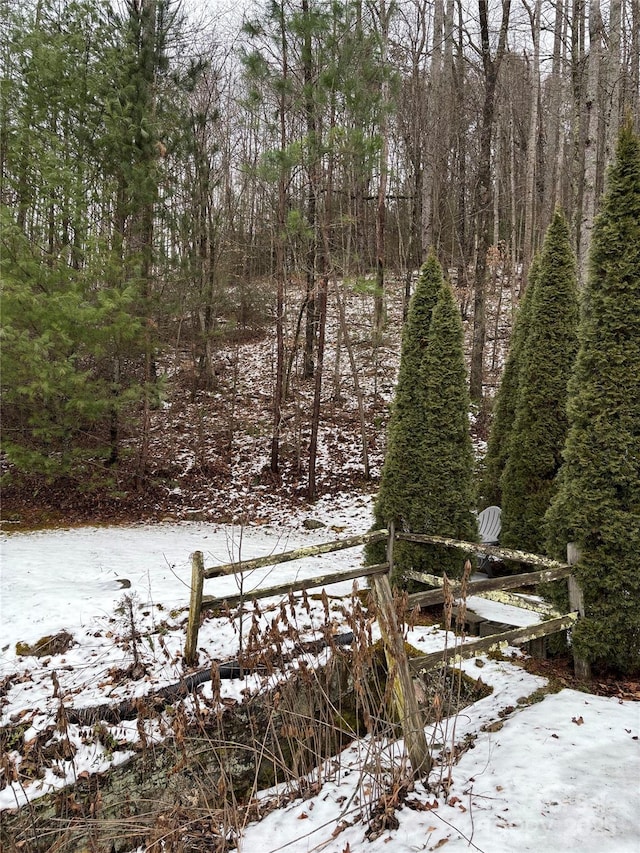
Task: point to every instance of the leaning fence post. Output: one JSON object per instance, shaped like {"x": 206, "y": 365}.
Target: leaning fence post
{"x": 404, "y": 693}
{"x": 195, "y": 606}
{"x": 576, "y": 602}
{"x": 390, "y": 543}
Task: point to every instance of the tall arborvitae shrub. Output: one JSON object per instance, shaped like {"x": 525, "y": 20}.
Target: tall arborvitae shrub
{"x": 540, "y": 426}
{"x": 400, "y": 473}
{"x": 427, "y": 474}
{"x": 598, "y": 501}
{"x": 445, "y": 499}
{"x": 504, "y": 409}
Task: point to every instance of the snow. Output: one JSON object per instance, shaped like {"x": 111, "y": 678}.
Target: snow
{"x": 541, "y": 771}
{"x": 495, "y": 611}
{"x": 543, "y": 782}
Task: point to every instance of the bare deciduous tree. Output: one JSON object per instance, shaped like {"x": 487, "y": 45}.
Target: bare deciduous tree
{"x": 483, "y": 196}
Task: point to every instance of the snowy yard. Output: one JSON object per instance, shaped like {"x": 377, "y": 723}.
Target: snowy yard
{"x": 560, "y": 773}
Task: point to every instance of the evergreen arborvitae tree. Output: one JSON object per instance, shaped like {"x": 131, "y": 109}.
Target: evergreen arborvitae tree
{"x": 445, "y": 497}
{"x": 598, "y": 501}
{"x": 429, "y": 390}
{"x": 540, "y": 426}
{"x": 504, "y": 411}
{"x": 400, "y": 474}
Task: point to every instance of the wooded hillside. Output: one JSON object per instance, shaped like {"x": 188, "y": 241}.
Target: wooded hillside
{"x": 169, "y": 189}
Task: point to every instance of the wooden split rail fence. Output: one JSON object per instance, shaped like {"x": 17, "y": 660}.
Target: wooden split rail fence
{"x": 409, "y": 713}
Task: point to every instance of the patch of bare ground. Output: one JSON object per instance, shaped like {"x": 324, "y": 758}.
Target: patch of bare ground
{"x": 558, "y": 669}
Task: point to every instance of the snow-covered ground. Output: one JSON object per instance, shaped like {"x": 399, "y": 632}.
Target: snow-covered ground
{"x": 563, "y": 773}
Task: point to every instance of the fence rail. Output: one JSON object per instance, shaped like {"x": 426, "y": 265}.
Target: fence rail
{"x": 199, "y": 573}
{"x": 243, "y": 566}
{"x": 298, "y": 586}
{"x": 436, "y": 596}
{"x": 399, "y": 666}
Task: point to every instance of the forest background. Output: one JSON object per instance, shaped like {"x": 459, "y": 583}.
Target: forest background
{"x": 172, "y": 189}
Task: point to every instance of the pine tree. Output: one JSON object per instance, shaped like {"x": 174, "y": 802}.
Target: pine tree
{"x": 426, "y": 478}
{"x": 598, "y": 502}
{"x": 504, "y": 411}
{"x": 59, "y": 318}
{"x": 56, "y": 403}
{"x": 80, "y": 166}
{"x": 540, "y": 426}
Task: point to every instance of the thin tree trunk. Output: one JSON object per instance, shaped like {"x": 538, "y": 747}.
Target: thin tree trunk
{"x": 514, "y": 222}
{"x": 280, "y": 265}
{"x": 312, "y": 215}
{"x": 414, "y": 111}
{"x": 143, "y": 197}
{"x": 462, "y": 229}
{"x": 356, "y": 381}
{"x": 337, "y": 364}
{"x": 491, "y": 68}
{"x": 433, "y": 130}
{"x": 577, "y": 80}
{"x": 293, "y": 348}
{"x": 322, "y": 255}
{"x": 528, "y": 246}
{"x": 614, "y": 73}
{"x": 317, "y": 396}
{"x": 633, "y": 97}
{"x": 592, "y": 120}
{"x": 24, "y": 189}
{"x": 114, "y": 418}
{"x": 381, "y": 212}
{"x": 555, "y": 146}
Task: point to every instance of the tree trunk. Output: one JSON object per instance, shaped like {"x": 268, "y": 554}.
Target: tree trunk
{"x": 143, "y": 194}
{"x": 414, "y": 128}
{"x": 614, "y": 76}
{"x": 462, "y": 229}
{"x": 381, "y": 211}
{"x": 483, "y": 208}
{"x": 555, "y": 109}
{"x": 577, "y": 84}
{"x": 513, "y": 224}
{"x": 632, "y": 99}
{"x": 592, "y": 119}
{"x": 312, "y": 214}
{"x": 280, "y": 263}
{"x": 317, "y": 396}
{"x": 356, "y": 381}
{"x": 528, "y": 247}
{"x": 433, "y": 130}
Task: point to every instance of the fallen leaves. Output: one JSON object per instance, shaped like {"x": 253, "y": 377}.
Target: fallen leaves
{"x": 340, "y": 827}
{"x": 560, "y": 670}
{"x": 419, "y": 806}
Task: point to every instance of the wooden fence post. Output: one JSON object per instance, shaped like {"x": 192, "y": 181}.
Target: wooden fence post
{"x": 581, "y": 666}
{"x": 195, "y": 606}
{"x": 404, "y": 694}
